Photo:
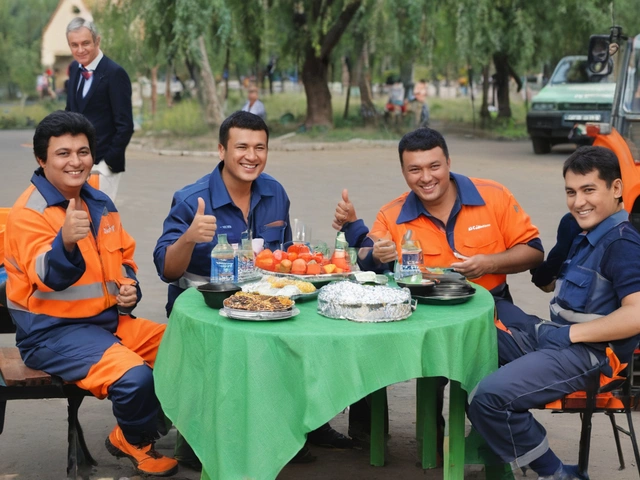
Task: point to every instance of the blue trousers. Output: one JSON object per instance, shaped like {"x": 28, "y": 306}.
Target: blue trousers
{"x": 529, "y": 378}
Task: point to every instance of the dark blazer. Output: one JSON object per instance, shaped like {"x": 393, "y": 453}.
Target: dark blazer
{"x": 107, "y": 105}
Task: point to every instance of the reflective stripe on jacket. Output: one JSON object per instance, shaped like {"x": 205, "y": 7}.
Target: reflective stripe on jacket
{"x": 51, "y": 285}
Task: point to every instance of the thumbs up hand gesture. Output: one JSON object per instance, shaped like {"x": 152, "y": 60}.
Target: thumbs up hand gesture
{"x": 345, "y": 212}
{"x": 76, "y": 226}
{"x": 203, "y": 227}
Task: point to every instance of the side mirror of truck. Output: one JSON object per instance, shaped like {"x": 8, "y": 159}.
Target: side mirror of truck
{"x": 598, "y": 60}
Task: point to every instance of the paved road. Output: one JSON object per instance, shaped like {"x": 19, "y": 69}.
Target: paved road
{"x": 33, "y": 445}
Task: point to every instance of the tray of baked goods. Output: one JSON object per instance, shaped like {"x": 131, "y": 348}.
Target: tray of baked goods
{"x": 256, "y": 307}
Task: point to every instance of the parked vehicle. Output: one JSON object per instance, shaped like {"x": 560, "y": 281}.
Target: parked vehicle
{"x": 574, "y": 94}
{"x": 622, "y": 133}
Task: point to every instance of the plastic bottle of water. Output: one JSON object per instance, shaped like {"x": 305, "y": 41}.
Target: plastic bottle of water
{"x": 224, "y": 262}
{"x": 411, "y": 257}
{"x": 246, "y": 264}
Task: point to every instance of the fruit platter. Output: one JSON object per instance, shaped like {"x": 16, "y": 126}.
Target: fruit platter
{"x": 299, "y": 261}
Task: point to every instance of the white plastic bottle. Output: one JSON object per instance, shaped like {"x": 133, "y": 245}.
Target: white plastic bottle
{"x": 246, "y": 263}
{"x": 224, "y": 263}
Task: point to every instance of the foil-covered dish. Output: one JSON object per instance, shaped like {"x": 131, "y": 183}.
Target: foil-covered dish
{"x": 364, "y": 303}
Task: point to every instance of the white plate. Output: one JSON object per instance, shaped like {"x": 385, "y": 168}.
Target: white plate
{"x": 258, "y": 316}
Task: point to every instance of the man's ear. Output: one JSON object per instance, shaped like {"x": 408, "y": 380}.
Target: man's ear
{"x": 221, "y": 151}
{"x": 41, "y": 162}
{"x": 98, "y": 41}
{"x": 617, "y": 188}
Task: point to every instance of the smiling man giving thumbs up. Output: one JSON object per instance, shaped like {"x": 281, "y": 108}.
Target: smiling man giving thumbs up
{"x": 72, "y": 284}
{"x": 235, "y": 197}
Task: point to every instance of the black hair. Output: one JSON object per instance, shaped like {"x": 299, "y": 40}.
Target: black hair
{"x": 587, "y": 159}
{"x": 243, "y": 120}
{"x": 421, "y": 140}
{"x": 61, "y": 123}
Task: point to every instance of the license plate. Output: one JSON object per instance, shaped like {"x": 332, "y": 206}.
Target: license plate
{"x": 580, "y": 117}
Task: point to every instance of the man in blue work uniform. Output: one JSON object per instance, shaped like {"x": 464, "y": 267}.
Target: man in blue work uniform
{"x": 235, "y": 197}
{"x": 595, "y": 317}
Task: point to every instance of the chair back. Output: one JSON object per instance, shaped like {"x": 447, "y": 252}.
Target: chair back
{"x": 4, "y": 213}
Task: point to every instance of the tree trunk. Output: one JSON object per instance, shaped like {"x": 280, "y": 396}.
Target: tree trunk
{"x": 213, "y": 113}
{"x": 154, "y": 90}
{"x": 484, "y": 109}
{"x": 501, "y": 62}
{"x": 167, "y": 87}
{"x": 347, "y": 63}
{"x": 316, "y": 63}
{"x": 406, "y": 77}
{"x": 367, "y": 108}
{"x": 314, "y": 78}
{"x": 226, "y": 73}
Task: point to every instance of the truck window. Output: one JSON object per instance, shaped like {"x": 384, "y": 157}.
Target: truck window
{"x": 574, "y": 70}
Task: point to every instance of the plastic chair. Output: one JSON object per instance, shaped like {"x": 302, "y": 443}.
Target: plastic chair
{"x": 4, "y": 213}
{"x": 616, "y": 397}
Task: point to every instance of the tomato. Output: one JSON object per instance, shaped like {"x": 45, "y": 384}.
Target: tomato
{"x": 266, "y": 264}
{"x": 299, "y": 266}
{"x": 313, "y": 268}
{"x": 266, "y": 253}
{"x": 306, "y": 256}
{"x": 279, "y": 255}
{"x": 292, "y": 256}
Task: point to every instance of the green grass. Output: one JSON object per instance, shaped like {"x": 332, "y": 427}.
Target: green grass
{"x": 15, "y": 116}
{"x": 183, "y": 124}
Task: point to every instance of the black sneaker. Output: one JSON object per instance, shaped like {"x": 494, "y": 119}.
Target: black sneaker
{"x": 327, "y": 437}
{"x": 304, "y": 456}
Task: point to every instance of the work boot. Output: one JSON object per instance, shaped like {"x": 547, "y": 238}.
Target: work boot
{"x": 327, "y": 437}
{"x": 304, "y": 456}
{"x": 566, "y": 472}
{"x": 185, "y": 455}
{"x": 145, "y": 459}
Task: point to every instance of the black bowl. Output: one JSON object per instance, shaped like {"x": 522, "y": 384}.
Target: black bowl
{"x": 453, "y": 289}
{"x": 418, "y": 289}
{"x": 215, "y": 293}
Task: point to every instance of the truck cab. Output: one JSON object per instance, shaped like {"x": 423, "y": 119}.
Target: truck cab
{"x": 622, "y": 134}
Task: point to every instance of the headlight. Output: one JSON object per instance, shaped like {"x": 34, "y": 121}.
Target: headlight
{"x": 543, "y": 106}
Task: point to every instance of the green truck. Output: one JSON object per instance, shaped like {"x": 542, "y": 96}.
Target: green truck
{"x": 573, "y": 95}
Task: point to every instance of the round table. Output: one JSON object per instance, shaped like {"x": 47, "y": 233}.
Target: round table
{"x": 245, "y": 394}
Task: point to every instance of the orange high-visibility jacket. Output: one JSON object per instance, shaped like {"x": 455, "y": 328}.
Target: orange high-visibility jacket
{"x": 490, "y": 220}
{"x": 47, "y": 283}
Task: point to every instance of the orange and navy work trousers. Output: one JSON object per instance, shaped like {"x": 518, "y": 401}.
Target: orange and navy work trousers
{"x": 117, "y": 365}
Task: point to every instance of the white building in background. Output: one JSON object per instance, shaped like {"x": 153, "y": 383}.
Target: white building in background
{"x": 55, "y": 53}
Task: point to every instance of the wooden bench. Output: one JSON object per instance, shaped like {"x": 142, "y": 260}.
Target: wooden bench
{"x": 19, "y": 382}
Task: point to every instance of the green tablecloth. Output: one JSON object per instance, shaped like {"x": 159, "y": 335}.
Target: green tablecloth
{"x": 245, "y": 394}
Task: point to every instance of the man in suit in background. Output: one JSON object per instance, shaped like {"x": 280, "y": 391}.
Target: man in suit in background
{"x": 100, "y": 89}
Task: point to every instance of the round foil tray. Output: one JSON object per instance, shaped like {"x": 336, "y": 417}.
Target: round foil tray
{"x": 366, "y": 313}
{"x": 258, "y": 316}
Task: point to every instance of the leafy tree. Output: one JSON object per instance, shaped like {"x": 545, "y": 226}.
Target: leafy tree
{"x": 314, "y": 29}
{"x": 21, "y": 25}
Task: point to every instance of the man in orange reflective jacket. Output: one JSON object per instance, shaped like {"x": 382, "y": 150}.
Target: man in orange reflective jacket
{"x": 72, "y": 285}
